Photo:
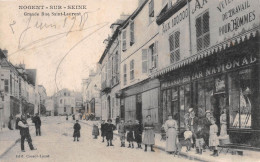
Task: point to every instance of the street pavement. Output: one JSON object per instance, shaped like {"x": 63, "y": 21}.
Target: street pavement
{"x": 56, "y": 145}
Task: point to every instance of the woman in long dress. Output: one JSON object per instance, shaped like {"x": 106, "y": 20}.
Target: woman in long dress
{"x": 148, "y": 133}
{"x": 223, "y": 122}
{"x": 171, "y": 128}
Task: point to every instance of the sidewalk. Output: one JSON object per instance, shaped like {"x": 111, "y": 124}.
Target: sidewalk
{"x": 8, "y": 138}
{"x": 251, "y": 156}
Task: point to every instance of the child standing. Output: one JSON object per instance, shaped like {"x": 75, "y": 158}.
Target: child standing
{"x": 188, "y": 138}
{"x": 138, "y": 130}
{"x": 213, "y": 138}
{"x": 76, "y": 133}
{"x": 103, "y": 130}
{"x": 109, "y": 132}
{"x": 199, "y": 139}
{"x": 95, "y": 131}
{"x": 130, "y": 134}
{"x": 121, "y": 132}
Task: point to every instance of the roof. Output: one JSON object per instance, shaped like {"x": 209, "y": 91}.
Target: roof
{"x": 122, "y": 24}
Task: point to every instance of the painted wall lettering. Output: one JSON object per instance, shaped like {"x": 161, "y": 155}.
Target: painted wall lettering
{"x": 199, "y": 5}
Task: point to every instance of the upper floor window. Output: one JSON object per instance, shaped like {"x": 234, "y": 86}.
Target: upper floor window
{"x": 125, "y": 74}
{"x": 153, "y": 51}
{"x": 202, "y": 31}
{"x": 6, "y": 85}
{"x": 124, "y": 40}
{"x": 174, "y": 41}
{"x": 60, "y": 101}
{"x": 151, "y": 11}
{"x": 144, "y": 60}
{"x": 65, "y": 94}
{"x": 132, "y": 33}
{"x": 151, "y": 8}
{"x": 115, "y": 69}
{"x": 132, "y": 71}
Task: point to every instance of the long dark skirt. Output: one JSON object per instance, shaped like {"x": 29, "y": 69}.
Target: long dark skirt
{"x": 130, "y": 137}
{"x": 138, "y": 138}
{"x": 109, "y": 135}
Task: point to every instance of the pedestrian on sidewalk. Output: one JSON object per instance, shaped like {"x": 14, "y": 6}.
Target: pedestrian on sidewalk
{"x": 10, "y": 122}
{"x": 95, "y": 130}
{"x": 121, "y": 132}
{"x": 76, "y": 133}
{"x": 117, "y": 121}
{"x": 206, "y": 128}
{"x": 149, "y": 133}
{"x": 138, "y": 130}
{"x": 187, "y": 138}
{"x": 213, "y": 138}
{"x": 73, "y": 117}
{"x": 38, "y": 123}
{"x": 25, "y": 133}
{"x": 67, "y": 117}
{"x": 109, "y": 132}
{"x": 17, "y": 121}
{"x": 130, "y": 134}
{"x": 103, "y": 130}
{"x": 171, "y": 128}
{"x": 193, "y": 122}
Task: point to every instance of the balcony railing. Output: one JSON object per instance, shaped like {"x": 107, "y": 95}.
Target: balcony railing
{"x": 106, "y": 86}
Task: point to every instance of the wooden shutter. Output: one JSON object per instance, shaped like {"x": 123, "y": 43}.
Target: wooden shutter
{"x": 144, "y": 60}
{"x": 155, "y": 54}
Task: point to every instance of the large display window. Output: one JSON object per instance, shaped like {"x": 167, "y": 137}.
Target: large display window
{"x": 240, "y": 98}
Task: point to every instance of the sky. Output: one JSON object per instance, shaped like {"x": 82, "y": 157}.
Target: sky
{"x": 63, "y": 46}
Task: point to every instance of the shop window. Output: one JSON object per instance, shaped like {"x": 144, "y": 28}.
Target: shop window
{"x": 201, "y": 95}
{"x": 202, "y": 31}
{"x": 132, "y": 71}
{"x": 130, "y": 108}
{"x": 132, "y": 33}
{"x": 241, "y": 84}
{"x": 144, "y": 61}
{"x": 185, "y": 102}
{"x": 175, "y": 106}
{"x": 124, "y": 40}
{"x": 174, "y": 41}
{"x": 125, "y": 74}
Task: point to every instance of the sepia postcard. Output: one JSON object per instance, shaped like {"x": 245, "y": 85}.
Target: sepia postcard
{"x": 129, "y": 80}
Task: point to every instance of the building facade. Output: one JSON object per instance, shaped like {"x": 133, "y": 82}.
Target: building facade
{"x": 64, "y": 102}
{"x": 211, "y": 66}
{"x": 91, "y": 93}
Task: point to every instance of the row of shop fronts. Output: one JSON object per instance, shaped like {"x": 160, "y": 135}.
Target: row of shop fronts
{"x": 227, "y": 79}
{"x": 186, "y": 61}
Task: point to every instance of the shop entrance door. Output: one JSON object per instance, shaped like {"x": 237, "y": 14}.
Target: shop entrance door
{"x": 139, "y": 115}
{"x": 218, "y": 105}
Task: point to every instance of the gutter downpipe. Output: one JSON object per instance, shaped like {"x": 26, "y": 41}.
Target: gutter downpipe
{"x": 190, "y": 50}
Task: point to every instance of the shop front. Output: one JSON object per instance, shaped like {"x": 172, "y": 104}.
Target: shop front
{"x": 141, "y": 100}
{"x": 224, "y": 80}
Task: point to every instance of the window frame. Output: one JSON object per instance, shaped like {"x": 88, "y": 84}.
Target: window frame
{"x": 132, "y": 69}
{"x": 125, "y": 74}
{"x": 132, "y": 33}
{"x": 145, "y": 70}
{"x": 124, "y": 40}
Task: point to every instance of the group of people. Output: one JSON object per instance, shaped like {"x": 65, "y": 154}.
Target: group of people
{"x": 201, "y": 132}
{"x": 128, "y": 131}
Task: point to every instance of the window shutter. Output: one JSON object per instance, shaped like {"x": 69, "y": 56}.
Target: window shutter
{"x": 132, "y": 39}
{"x": 149, "y": 56}
{"x": 155, "y": 54}
{"x": 124, "y": 40}
{"x": 198, "y": 27}
{"x": 144, "y": 60}
{"x": 171, "y": 44}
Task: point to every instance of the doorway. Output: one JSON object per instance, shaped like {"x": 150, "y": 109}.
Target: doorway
{"x": 139, "y": 114}
{"x": 218, "y": 103}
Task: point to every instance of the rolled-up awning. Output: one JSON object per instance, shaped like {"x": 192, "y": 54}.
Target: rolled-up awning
{"x": 209, "y": 51}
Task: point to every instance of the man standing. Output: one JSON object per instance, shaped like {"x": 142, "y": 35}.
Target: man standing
{"x": 24, "y": 132}
{"x": 37, "y": 122}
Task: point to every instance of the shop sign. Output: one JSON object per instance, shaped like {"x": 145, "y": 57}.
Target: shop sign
{"x": 229, "y": 65}
{"x": 235, "y": 15}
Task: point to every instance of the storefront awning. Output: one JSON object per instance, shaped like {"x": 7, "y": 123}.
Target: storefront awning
{"x": 209, "y": 51}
